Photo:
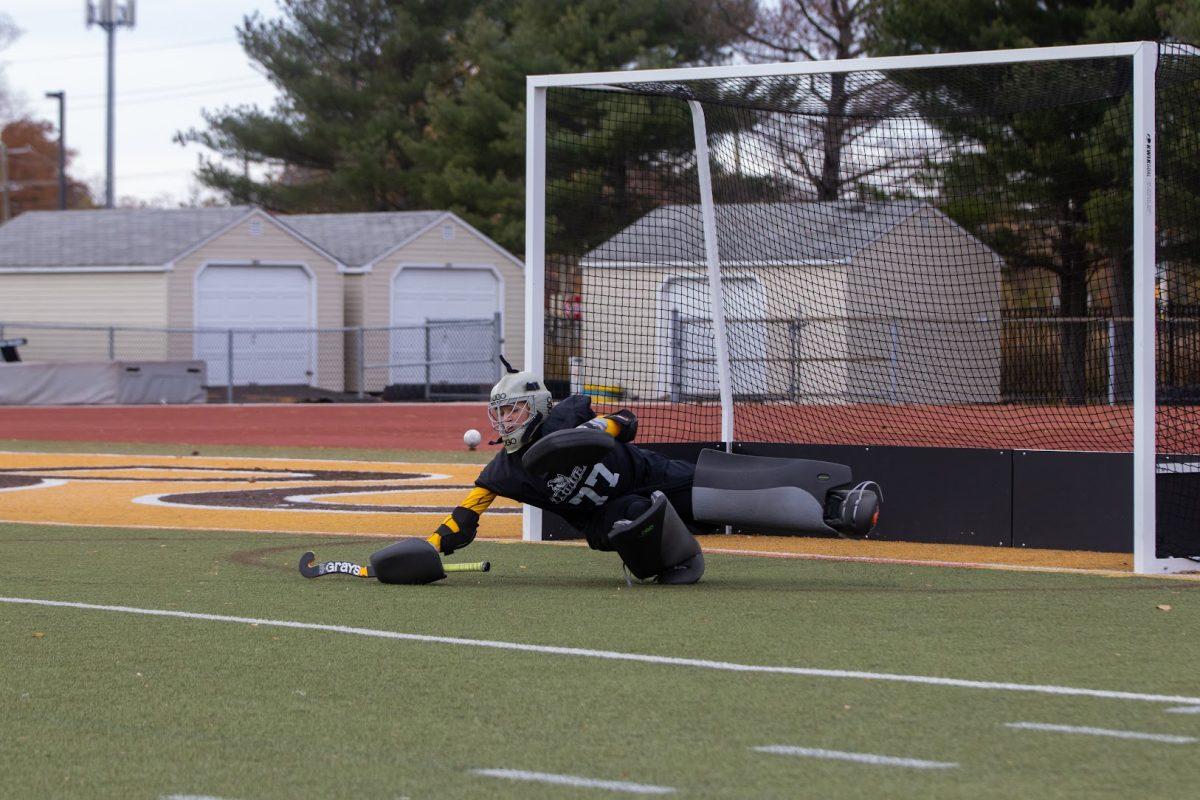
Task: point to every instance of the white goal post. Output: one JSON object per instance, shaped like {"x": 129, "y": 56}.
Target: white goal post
{"x": 1142, "y": 58}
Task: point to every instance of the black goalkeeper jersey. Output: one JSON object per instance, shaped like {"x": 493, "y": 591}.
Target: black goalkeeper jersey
{"x": 576, "y": 496}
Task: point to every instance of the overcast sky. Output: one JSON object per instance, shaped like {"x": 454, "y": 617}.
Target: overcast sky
{"x": 181, "y": 57}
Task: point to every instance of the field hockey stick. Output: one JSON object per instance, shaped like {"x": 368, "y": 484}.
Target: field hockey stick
{"x": 310, "y": 568}
{"x": 474, "y": 566}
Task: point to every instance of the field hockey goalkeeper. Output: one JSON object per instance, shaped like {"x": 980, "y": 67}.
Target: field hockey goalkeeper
{"x": 564, "y": 458}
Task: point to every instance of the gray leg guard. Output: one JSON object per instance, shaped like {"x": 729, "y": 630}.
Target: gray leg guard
{"x": 658, "y": 544}
{"x": 791, "y": 495}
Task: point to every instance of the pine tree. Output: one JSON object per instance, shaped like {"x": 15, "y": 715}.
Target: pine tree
{"x": 1070, "y": 227}
{"x": 389, "y": 105}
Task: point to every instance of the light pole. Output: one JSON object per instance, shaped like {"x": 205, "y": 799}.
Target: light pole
{"x": 110, "y": 15}
{"x": 62, "y": 147}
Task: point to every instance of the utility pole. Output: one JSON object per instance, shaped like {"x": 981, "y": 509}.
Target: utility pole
{"x": 110, "y": 15}
{"x": 62, "y": 147}
{"x": 4, "y": 208}
{"x": 5, "y": 152}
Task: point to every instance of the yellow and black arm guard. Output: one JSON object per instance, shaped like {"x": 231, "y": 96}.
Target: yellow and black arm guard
{"x": 622, "y": 425}
{"x": 458, "y": 530}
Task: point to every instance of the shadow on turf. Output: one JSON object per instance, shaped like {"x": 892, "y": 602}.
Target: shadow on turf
{"x": 807, "y": 584}
{"x": 257, "y": 557}
{"x": 270, "y": 558}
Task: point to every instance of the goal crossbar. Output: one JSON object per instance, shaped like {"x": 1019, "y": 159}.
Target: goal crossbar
{"x": 880, "y": 64}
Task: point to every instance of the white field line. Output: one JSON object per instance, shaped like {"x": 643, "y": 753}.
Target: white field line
{"x": 189, "y": 797}
{"x": 918, "y": 562}
{"x": 1115, "y": 734}
{"x": 858, "y": 758}
{"x": 574, "y": 781}
{"x": 45, "y": 484}
{"x": 612, "y": 655}
{"x": 1184, "y": 710}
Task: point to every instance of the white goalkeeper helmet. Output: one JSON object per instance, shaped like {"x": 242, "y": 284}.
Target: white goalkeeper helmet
{"x": 519, "y": 403}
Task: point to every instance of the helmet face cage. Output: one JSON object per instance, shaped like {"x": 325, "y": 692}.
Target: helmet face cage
{"x": 519, "y": 402}
{"x": 510, "y": 415}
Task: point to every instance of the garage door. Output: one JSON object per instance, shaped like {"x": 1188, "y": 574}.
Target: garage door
{"x": 690, "y": 353}
{"x": 249, "y": 299}
{"x": 460, "y": 306}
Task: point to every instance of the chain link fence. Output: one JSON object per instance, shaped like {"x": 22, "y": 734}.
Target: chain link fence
{"x": 1013, "y": 359}
{"x": 431, "y": 360}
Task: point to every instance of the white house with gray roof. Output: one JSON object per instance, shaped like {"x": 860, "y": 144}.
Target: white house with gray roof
{"x": 825, "y": 302}
{"x": 242, "y": 268}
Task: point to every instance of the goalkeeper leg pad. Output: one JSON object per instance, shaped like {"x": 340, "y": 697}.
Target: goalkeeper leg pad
{"x": 790, "y": 495}
{"x": 657, "y": 544}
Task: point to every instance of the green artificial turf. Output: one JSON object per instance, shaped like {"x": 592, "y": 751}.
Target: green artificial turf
{"x": 105, "y": 704}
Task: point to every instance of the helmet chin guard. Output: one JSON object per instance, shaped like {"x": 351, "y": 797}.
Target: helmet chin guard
{"x": 518, "y": 404}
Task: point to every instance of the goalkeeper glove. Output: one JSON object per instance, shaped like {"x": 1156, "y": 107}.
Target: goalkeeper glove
{"x": 456, "y": 531}
{"x": 622, "y": 425}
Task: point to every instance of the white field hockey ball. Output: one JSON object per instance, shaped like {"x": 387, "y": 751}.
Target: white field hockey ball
{"x": 472, "y": 438}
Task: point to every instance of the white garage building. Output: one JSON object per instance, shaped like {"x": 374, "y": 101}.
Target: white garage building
{"x": 405, "y": 269}
{"x": 818, "y": 306}
{"x": 183, "y": 270}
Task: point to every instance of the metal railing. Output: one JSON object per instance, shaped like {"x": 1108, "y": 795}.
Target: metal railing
{"x": 430, "y": 360}
{"x": 935, "y": 359}
{"x": 446, "y": 359}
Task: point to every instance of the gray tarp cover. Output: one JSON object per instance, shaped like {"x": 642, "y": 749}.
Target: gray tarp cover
{"x": 99, "y": 382}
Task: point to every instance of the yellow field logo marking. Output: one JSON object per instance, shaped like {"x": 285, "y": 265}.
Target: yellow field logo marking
{"x": 307, "y": 495}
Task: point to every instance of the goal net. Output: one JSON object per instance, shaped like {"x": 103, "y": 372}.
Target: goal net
{"x": 992, "y": 251}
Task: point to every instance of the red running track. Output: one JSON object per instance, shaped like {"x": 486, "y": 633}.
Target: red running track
{"x": 385, "y": 426}
{"x": 439, "y": 426}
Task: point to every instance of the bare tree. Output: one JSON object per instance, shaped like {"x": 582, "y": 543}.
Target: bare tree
{"x": 791, "y": 30}
{"x": 9, "y": 33}
{"x": 843, "y": 143}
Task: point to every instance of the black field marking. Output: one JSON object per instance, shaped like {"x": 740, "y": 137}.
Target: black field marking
{"x": 19, "y": 481}
{"x": 280, "y": 499}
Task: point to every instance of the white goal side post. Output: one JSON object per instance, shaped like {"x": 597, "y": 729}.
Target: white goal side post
{"x": 727, "y": 374}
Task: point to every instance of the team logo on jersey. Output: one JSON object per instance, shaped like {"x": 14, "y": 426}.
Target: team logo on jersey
{"x": 594, "y": 489}
{"x": 561, "y": 486}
